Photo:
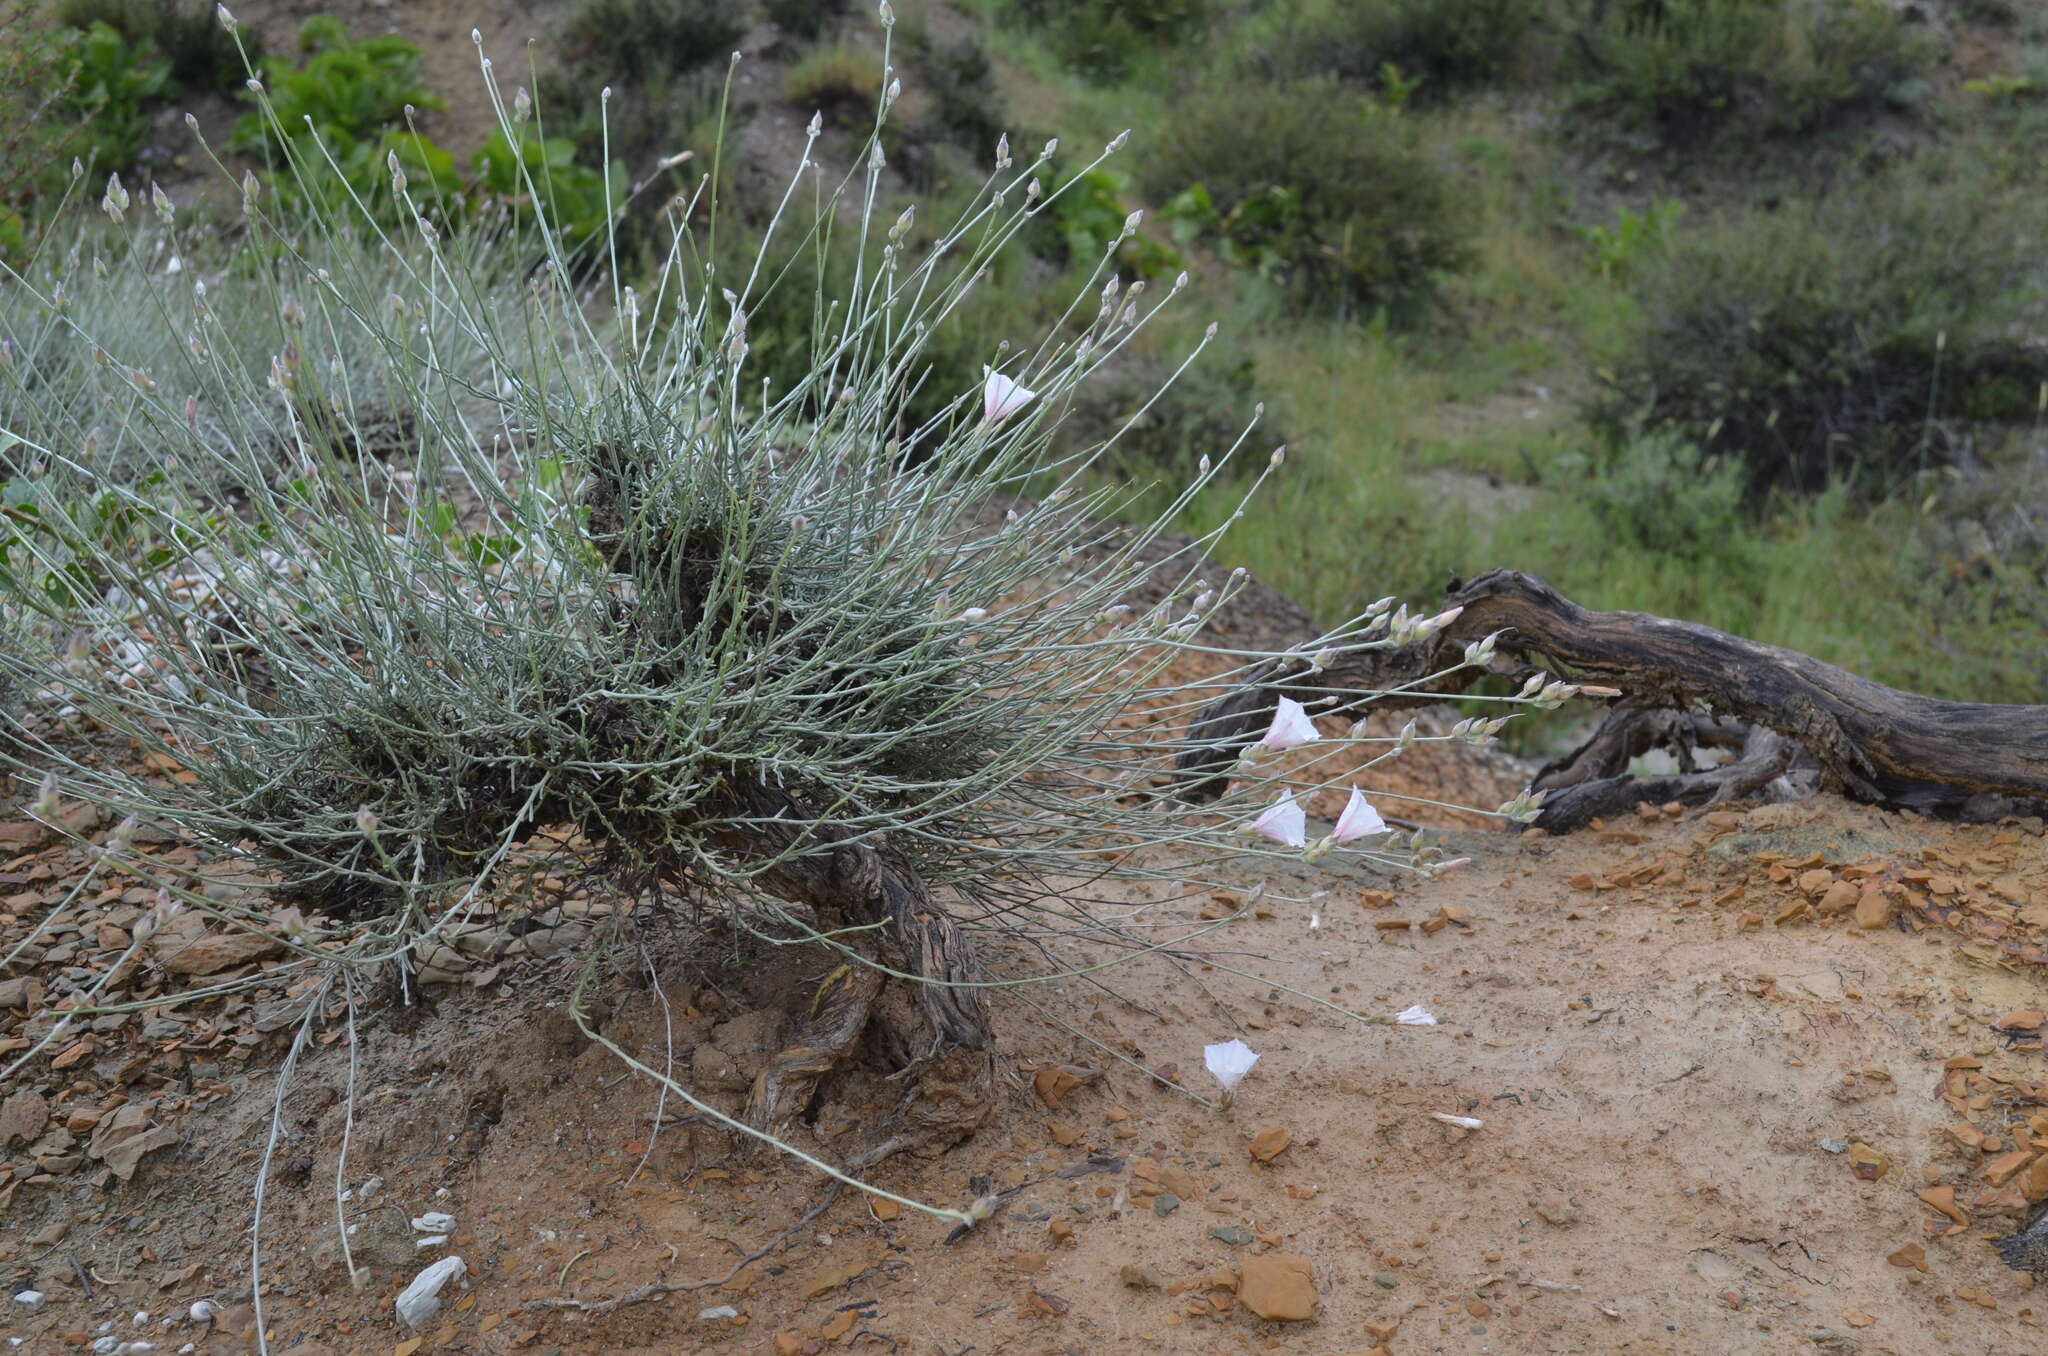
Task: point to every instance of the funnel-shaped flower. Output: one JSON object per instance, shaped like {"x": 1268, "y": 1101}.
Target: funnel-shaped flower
{"x": 1415, "y": 1016}
{"x": 1001, "y": 396}
{"x": 1359, "y": 820}
{"x": 1283, "y": 822}
{"x": 1229, "y": 1062}
{"x": 1291, "y": 727}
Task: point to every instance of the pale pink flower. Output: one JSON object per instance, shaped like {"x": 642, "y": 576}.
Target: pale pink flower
{"x": 1002, "y": 396}
{"x": 1359, "y": 820}
{"x": 1291, "y": 727}
{"x": 1283, "y": 822}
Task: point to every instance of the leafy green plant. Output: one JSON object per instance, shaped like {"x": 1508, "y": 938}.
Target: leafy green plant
{"x": 633, "y": 41}
{"x": 2003, "y": 88}
{"x": 803, "y": 20}
{"x": 1087, "y": 215}
{"x": 1426, "y": 49}
{"x": 1105, "y": 39}
{"x": 1348, "y": 224}
{"x": 1621, "y": 247}
{"x": 539, "y": 179}
{"x": 1691, "y": 69}
{"x": 345, "y": 88}
{"x": 842, "y": 82}
{"x": 36, "y": 142}
{"x": 1839, "y": 336}
{"x": 1662, "y": 494}
{"x": 111, "y": 83}
{"x": 1164, "y": 420}
{"x": 349, "y": 101}
{"x": 202, "y": 52}
{"x": 958, "y": 78}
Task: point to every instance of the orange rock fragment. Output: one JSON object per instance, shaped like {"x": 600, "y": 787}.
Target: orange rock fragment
{"x": 1271, "y": 1142}
{"x": 1815, "y": 883}
{"x": 1873, "y": 909}
{"x": 1867, "y": 1163}
{"x": 1913, "y": 1255}
{"x": 1943, "y": 1199}
{"x": 2002, "y": 1168}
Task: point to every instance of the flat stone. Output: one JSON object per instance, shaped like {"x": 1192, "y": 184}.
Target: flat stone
{"x": 1867, "y": 1163}
{"x": 1278, "y": 1286}
{"x": 25, "y": 991}
{"x": 216, "y": 952}
{"x": 1555, "y": 1207}
{"x": 22, "y": 1117}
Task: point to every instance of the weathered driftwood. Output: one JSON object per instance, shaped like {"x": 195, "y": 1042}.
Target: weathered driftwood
{"x": 1870, "y": 742}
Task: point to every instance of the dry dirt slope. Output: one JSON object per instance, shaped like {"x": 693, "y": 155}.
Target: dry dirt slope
{"x": 1665, "y": 1075}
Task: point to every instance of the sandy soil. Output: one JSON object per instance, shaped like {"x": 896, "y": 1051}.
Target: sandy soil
{"x": 1666, "y": 1076}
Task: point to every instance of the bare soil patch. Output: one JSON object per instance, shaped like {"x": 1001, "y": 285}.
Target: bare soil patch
{"x": 1683, "y": 1050}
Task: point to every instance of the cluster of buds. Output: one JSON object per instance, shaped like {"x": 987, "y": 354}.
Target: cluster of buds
{"x": 1480, "y": 652}
{"x": 1478, "y": 729}
{"x": 164, "y": 910}
{"x": 115, "y": 203}
{"x": 1404, "y": 629}
{"x": 284, "y": 369}
{"x": 46, "y": 804}
{"x": 1524, "y": 808}
{"x": 1546, "y": 693}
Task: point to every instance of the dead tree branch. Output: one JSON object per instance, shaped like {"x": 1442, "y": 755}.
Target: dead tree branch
{"x": 1869, "y": 742}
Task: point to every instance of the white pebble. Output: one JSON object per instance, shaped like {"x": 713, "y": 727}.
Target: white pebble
{"x": 722, "y": 1311}
{"x": 435, "y": 1222}
{"x": 32, "y": 1299}
{"x": 202, "y": 1311}
{"x": 430, "y": 1241}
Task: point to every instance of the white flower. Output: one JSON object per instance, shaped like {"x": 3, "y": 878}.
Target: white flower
{"x": 1229, "y": 1062}
{"x": 1001, "y": 396}
{"x": 1291, "y": 727}
{"x": 1415, "y": 1016}
{"x": 1283, "y": 822}
{"x": 1359, "y": 820}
